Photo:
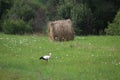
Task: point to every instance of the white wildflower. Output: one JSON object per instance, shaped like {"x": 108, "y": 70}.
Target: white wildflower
{"x": 20, "y": 41}
{"x": 66, "y": 54}
{"x": 60, "y": 61}
{"x": 92, "y": 55}
{"x": 1, "y": 38}
{"x": 119, "y": 63}
{"x": 105, "y": 62}
{"x": 56, "y": 57}
{"x": 32, "y": 57}
{"x": 116, "y": 64}
{"x": 7, "y": 38}
{"x": 89, "y": 43}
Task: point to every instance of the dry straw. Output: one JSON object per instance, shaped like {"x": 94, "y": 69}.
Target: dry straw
{"x": 61, "y": 30}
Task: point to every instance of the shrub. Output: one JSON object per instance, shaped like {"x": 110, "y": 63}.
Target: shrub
{"x": 114, "y": 27}
{"x": 26, "y": 16}
{"x": 23, "y": 9}
{"x": 40, "y": 21}
{"x": 16, "y": 27}
{"x": 4, "y": 6}
{"x": 80, "y": 14}
{"x": 52, "y": 9}
{"x": 83, "y": 20}
{"x": 64, "y": 11}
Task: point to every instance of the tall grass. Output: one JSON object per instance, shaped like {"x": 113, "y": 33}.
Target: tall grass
{"x": 85, "y": 58}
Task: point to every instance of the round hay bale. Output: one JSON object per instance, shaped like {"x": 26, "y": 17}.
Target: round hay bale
{"x": 61, "y": 30}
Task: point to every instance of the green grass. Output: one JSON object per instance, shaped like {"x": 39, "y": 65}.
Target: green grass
{"x": 85, "y": 58}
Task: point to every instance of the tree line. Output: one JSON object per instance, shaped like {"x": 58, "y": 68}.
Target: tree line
{"x": 89, "y": 17}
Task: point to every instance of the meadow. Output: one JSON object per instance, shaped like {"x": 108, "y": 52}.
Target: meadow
{"x": 84, "y": 58}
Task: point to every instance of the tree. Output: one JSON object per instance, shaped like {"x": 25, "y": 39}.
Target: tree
{"x": 4, "y": 6}
{"x": 52, "y": 9}
{"x": 103, "y": 10}
{"x": 114, "y": 27}
{"x": 18, "y": 26}
{"x": 64, "y": 11}
{"x": 80, "y": 14}
{"x": 23, "y": 9}
{"x": 40, "y": 21}
{"x": 20, "y": 14}
{"x": 83, "y": 19}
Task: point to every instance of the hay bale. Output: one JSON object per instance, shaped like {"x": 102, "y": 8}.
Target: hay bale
{"x": 61, "y": 30}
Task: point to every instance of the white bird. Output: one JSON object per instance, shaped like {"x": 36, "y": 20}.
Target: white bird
{"x": 46, "y": 57}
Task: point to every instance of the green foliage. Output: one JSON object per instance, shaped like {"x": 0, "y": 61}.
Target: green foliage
{"x": 81, "y": 15}
{"x": 40, "y": 21}
{"x": 52, "y": 9}
{"x": 16, "y": 27}
{"x": 100, "y": 13}
{"x": 104, "y": 11}
{"x": 23, "y": 9}
{"x": 64, "y": 11}
{"x": 82, "y": 18}
{"x": 19, "y": 19}
{"x": 114, "y": 27}
{"x": 4, "y": 6}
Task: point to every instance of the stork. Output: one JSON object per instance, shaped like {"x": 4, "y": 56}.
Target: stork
{"x": 46, "y": 57}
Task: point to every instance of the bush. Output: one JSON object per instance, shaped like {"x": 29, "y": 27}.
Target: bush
{"x": 21, "y": 17}
{"x": 23, "y": 9}
{"x": 80, "y": 14}
{"x": 40, "y": 21}
{"x": 114, "y": 27}
{"x": 64, "y": 11}
{"x": 83, "y": 20}
{"x": 4, "y": 6}
{"x": 16, "y": 27}
{"x": 52, "y": 9}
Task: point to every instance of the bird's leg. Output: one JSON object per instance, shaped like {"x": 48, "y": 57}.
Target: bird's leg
{"x": 48, "y": 60}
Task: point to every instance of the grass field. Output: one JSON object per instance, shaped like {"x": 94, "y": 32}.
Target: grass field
{"x": 85, "y": 58}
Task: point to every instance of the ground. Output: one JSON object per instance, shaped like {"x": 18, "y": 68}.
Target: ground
{"x": 84, "y": 58}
